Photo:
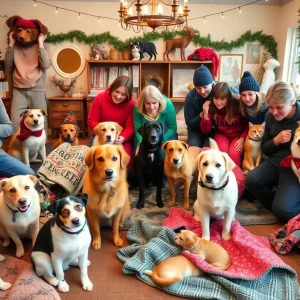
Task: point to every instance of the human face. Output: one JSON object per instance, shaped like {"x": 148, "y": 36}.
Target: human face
{"x": 204, "y": 91}
{"x": 151, "y": 106}
{"x": 248, "y": 97}
{"x": 119, "y": 95}
{"x": 281, "y": 110}
{"x": 220, "y": 102}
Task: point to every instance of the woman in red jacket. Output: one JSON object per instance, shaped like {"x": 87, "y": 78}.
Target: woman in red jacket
{"x": 115, "y": 104}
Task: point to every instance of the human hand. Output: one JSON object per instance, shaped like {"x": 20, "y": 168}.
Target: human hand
{"x": 137, "y": 150}
{"x": 205, "y": 109}
{"x": 239, "y": 145}
{"x": 41, "y": 39}
{"x": 283, "y": 137}
{"x": 12, "y": 39}
{"x": 119, "y": 140}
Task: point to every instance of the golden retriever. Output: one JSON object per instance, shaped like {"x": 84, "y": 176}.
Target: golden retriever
{"x": 105, "y": 183}
{"x": 217, "y": 192}
{"x": 106, "y": 133}
{"x": 68, "y": 133}
{"x": 180, "y": 165}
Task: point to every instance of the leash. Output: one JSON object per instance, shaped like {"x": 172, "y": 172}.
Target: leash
{"x": 14, "y": 214}
{"x": 200, "y": 182}
{"x": 63, "y": 228}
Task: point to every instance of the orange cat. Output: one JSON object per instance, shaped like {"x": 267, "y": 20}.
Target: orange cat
{"x": 252, "y": 147}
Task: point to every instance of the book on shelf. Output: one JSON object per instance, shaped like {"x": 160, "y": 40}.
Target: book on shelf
{"x": 95, "y": 91}
{"x": 4, "y": 89}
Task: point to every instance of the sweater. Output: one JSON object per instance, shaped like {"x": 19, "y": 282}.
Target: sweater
{"x": 6, "y": 127}
{"x": 104, "y": 109}
{"x": 237, "y": 129}
{"x": 166, "y": 117}
{"x": 273, "y": 128}
{"x": 29, "y": 65}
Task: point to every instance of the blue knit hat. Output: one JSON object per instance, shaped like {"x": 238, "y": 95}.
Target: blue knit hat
{"x": 248, "y": 83}
{"x": 202, "y": 76}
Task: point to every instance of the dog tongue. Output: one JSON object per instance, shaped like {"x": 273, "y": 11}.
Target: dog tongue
{"x": 23, "y": 209}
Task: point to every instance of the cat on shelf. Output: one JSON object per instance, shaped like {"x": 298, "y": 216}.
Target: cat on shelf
{"x": 252, "y": 147}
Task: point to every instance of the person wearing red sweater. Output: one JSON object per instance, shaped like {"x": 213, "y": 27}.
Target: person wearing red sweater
{"x": 116, "y": 104}
{"x": 231, "y": 126}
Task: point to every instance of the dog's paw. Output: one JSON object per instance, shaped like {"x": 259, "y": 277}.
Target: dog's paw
{"x": 52, "y": 280}
{"x": 118, "y": 242}
{"x": 140, "y": 205}
{"x": 96, "y": 245}
{"x": 4, "y": 285}
{"x": 226, "y": 236}
{"x": 186, "y": 206}
{"x": 160, "y": 204}
{"x": 2, "y": 257}
{"x": 20, "y": 252}
{"x": 87, "y": 285}
{"x": 63, "y": 286}
{"x": 171, "y": 202}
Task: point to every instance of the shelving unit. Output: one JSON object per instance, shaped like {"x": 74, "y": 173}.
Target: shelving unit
{"x": 5, "y": 86}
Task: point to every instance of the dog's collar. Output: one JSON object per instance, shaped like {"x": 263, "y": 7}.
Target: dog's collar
{"x": 25, "y": 132}
{"x": 14, "y": 214}
{"x": 212, "y": 188}
{"x": 193, "y": 246}
{"x": 63, "y": 228}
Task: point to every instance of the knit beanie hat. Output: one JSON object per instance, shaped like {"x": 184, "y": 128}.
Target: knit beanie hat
{"x": 70, "y": 119}
{"x": 26, "y": 23}
{"x": 202, "y": 76}
{"x": 248, "y": 83}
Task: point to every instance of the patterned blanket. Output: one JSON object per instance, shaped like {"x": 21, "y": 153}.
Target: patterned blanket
{"x": 256, "y": 272}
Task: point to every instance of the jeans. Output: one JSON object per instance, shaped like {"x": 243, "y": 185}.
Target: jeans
{"x": 198, "y": 139}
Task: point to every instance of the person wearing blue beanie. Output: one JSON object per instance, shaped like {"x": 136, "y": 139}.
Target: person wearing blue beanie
{"x": 253, "y": 104}
{"x": 194, "y": 100}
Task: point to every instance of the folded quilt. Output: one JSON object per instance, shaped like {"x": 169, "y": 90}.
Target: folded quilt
{"x": 152, "y": 244}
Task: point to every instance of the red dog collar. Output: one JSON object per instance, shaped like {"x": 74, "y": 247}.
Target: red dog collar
{"x": 25, "y": 133}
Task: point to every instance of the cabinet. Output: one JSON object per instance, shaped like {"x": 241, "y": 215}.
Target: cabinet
{"x": 59, "y": 107}
{"x": 5, "y": 86}
{"x": 99, "y": 72}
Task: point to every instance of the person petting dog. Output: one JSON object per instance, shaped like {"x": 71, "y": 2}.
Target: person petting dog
{"x": 275, "y": 186}
{"x": 252, "y": 102}
{"x": 116, "y": 104}
{"x": 152, "y": 105}
{"x": 194, "y": 100}
{"x": 231, "y": 127}
{"x": 9, "y": 166}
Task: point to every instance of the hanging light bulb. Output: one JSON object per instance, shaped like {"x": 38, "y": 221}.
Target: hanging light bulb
{"x": 34, "y": 4}
{"x": 129, "y": 11}
{"x": 56, "y": 10}
{"x": 159, "y": 9}
{"x": 204, "y": 20}
{"x": 78, "y": 15}
{"x": 180, "y": 11}
{"x": 145, "y": 10}
{"x": 98, "y": 19}
{"x": 240, "y": 10}
{"x": 223, "y": 16}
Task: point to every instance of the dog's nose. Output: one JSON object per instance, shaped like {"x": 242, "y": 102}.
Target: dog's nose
{"x": 21, "y": 39}
{"x": 35, "y": 121}
{"x": 108, "y": 137}
{"x": 153, "y": 137}
{"x": 175, "y": 161}
{"x": 68, "y": 136}
{"x": 209, "y": 177}
{"x": 22, "y": 201}
{"x": 75, "y": 221}
{"x": 109, "y": 172}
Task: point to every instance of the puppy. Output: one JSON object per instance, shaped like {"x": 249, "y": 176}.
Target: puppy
{"x": 106, "y": 133}
{"x": 30, "y": 139}
{"x": 217, "y": 192}
{"x": 63, "y": 241}
{"x": 68, "y": 133}
{"x": 19, "y": 210}
{"x": 180, "y": 165}
{"x": 149, "y": 163}
{"x": 105, "y": 183}
{"x": 4, "y": 285}
{"x": 209, "y": 251}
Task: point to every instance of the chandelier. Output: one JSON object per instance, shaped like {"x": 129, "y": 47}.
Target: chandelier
{"x": 150, "y": 14}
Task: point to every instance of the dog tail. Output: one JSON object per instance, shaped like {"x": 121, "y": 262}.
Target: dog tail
{"x": 162, "y": 281}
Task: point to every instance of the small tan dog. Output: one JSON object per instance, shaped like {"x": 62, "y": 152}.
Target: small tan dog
{"x": 106, "y": 133}
{"x": 105, "y": 183}
{"x": 19, "y": 210}
{"x": 4, "y": 285}
{"x": 217, "y": 192}
{"x": 30, "y": 139}
{"x": 68, "y": 133}
{"x": 180, "y": 165}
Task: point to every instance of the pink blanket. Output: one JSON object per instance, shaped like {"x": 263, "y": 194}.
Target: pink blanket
{"x": 251, "y": 255}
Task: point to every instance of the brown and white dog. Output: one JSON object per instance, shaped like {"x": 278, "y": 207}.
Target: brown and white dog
{"x": 106, "y": 133}
{"x": 180, "y": 165}
{"x": 19, "y": 210}
{"x": 68, "y": 134}
{"x": 30, "y": 139}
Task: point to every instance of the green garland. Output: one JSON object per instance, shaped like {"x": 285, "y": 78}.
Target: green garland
{"x": 267, "y": 41}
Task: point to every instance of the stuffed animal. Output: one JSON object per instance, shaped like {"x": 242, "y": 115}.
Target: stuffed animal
{"x": 28, "y": 57}
{"x": 269, "y": 75}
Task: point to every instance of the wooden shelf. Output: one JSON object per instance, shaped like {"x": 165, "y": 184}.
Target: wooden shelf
{"x": 6, "y": 78}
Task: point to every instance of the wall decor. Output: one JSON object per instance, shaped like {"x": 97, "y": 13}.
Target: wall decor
{"x": 253, "y": 53}
{"x": 181, "y": 78}
{"x": 231, "y": 68}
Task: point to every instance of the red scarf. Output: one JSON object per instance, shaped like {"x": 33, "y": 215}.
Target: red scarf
{"x": 287, "y": 162}
{"x": 25, "y": 133}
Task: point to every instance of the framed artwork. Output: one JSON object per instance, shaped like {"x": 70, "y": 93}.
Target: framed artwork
{"x": 181, "y": 78}
{"x": 253, "y": 53}
{"x": 231, "y": 68}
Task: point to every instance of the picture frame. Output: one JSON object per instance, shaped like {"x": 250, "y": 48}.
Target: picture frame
{"x": 253, "y": 53}
{"x": 231, "y": 68}
{"x": 181, "y": 78}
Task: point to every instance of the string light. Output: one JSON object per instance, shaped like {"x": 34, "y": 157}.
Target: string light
{"x": 78, "y": 15}
{"x": 56, "y": 10}
{"x": 34, "y": 3}
{"x": 98, "y": 19}
{"x": 240, "y": 10}
{"x": 223, "y": 16}
{"x": 204, "y": 20}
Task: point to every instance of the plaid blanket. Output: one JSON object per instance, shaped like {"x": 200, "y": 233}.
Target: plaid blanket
{"x": 153, "y": 244}
{"x": 286, "y": 237}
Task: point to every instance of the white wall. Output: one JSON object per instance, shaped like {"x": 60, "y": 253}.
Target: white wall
{"x": 272, "y": 20}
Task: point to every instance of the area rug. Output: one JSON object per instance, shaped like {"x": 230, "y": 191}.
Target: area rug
{"x": 247, "y": 212}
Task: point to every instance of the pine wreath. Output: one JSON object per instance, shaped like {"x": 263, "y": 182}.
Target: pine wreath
{"x": 154, "y": 79}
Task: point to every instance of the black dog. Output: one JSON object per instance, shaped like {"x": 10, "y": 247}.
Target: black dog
{"x": 150, "y": 160}
{"x": 147, "y": 47}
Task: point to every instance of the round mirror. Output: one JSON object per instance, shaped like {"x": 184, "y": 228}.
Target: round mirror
{"x": 68, "y": 61}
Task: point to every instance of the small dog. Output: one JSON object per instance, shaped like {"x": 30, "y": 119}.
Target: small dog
{"x": 209, "y": 251}
{"x": 106, "y": 133}
{"x": 19, "y": 210}
{"x": 68, "y": 133}
{"x": 4, "y": 285}
{"x": 217, "y": 192}
{"x": 149, "y": 163}
{"x": 138, "y": 48}
{"x": 105, "y": 183}
{"x": 180, "y": 165}
{"x": 30, "y": 139}
{"x": 62, "y": 242}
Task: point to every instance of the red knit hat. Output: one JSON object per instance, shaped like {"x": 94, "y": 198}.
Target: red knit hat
{"x": 26, "y": 23}
{"x": 70, "y": 119}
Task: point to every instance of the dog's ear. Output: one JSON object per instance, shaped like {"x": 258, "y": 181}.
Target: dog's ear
{"x": 163, "y": 127}
{"x": 124, "y": 157}
{"x": 97, "y": 129}
{"x": 83, "y": 196}
{"x": 60, "y": 128}
{"x": 165, "y": 145}
{"x": 2, "y": 184}
{"x": 35, "y": 179}
{"x": 189, "y": 243}
{"x": 198, "y": 160}
{"x": 141, "y": 129}
{"x": 213, "y": 144}
{"x": 185, "y": 145}
{"x": 53, "y": 207}
{"x": 43, "y": 112}
{"x": 77, "y": 130}
{"x": 298, "y": 122}
{"x": 119, "y": 128}
{"x": 43, "y": 29}
{"x": 10, "y": 22}
{"x": 23, "y": 113}
{"x": 229, "y": 163}
{"x": 90, "y": 157}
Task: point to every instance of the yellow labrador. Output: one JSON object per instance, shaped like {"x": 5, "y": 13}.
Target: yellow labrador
{"x": 106, "y": 133}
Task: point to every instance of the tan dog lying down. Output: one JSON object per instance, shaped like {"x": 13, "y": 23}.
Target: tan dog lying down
{"x": 68, "y": 133}
{"x": 180, "y": 165}
{"x": 106, "y": 133}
